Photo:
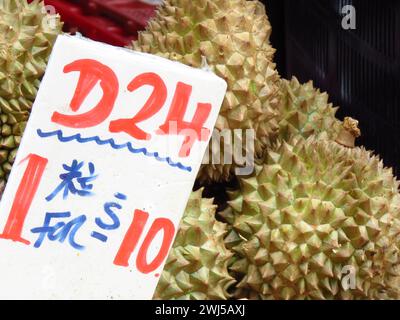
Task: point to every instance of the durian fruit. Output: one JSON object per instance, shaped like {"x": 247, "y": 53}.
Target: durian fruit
{"x": 318, "y": 220}
{"x": 232, "y": 37}
{"x": 304, "y": 110}
{"x": 197, "y": 266}
{"x": 27, "y": 34}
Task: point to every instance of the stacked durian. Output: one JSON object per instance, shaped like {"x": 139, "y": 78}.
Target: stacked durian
{"x": 27, "y": 34}
{"x": 231, "y": 37}
{"x": 316, "y": 206}
{"x": 314, "y": 215}
{"x": 317, "y": 219}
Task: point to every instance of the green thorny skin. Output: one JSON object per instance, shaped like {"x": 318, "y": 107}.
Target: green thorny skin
{"x": 27, "y": 34}
{"x": 197, "y": 266}
{"x": 315, "y": 212}
{"x": 305, "y": 111}
{"x": 232, "y": 36}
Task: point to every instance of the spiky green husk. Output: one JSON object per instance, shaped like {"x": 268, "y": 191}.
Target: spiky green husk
{"x": 306, "y": 111}
{"x": 197, "y": 266}
{"x": 27, "y": 34}
{"x": 233, "y": 37}
{"x": 311, "y": 211}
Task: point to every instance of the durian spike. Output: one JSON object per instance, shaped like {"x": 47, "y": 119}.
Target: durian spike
{"x": 349, "y": 133}
{"x": 26, "y": 41}
{"x": 232, "y": 36}
{"x": 197, "y": 266}
{"x": 314, "y": 209}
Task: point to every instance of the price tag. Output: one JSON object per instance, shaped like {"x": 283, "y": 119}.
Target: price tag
{"x": 103, "y": 173}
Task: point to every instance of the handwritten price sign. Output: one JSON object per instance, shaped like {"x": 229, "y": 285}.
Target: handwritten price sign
{"x": 103, "y": 174}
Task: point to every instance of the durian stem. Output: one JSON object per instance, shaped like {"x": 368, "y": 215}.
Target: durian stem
{"x": 349, "y": 133}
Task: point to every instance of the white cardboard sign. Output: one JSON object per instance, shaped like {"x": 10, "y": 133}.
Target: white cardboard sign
{"x": 103, "y": 173}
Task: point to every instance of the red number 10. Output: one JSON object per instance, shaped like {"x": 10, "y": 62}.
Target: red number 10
{"x": 27, "y": 190}
{"x": 132, "y": 238}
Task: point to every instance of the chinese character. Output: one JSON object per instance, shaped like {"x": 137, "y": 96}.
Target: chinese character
{"x": 74, "y": 175}
{"x": 61, "y": 230}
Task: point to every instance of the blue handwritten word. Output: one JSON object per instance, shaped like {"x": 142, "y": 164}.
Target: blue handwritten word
{"x": 113, "y": 144}
{"x": 61, "y": 230}
{"x": 68, "y": 181}
{"x": 109, "y": 208}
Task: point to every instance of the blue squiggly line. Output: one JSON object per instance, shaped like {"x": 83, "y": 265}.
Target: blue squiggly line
{"x": 77, "y": 137}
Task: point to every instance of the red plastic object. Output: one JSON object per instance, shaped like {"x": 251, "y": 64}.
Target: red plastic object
{"x": 115, "y": 22}
{"x": 133, "y": 14}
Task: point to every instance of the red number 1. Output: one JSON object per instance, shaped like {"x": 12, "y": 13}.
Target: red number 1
{"x": 23, "y": 198}
{"x": 27, "y": 190}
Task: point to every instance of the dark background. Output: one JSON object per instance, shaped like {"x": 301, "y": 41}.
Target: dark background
{"x": 360, "y": 69}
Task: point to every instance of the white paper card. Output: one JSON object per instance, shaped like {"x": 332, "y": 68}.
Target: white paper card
{"x": 103, "y": 173}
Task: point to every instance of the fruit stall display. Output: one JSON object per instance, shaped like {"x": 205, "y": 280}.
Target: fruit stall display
{"x": 315, "y": 204}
